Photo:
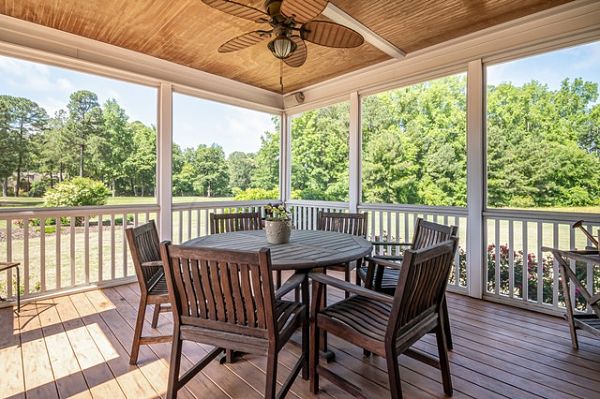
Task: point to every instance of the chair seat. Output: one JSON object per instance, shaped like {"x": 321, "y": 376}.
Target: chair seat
{"x": 286, "y": 313}
{"x": 365, "y": 316}
{"x": 389, "y": 280}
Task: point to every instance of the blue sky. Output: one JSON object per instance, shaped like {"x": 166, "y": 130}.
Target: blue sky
{"x": 197, "y": 121}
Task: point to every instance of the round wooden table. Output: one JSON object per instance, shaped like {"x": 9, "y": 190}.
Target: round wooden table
{"x": 307, "y": 249}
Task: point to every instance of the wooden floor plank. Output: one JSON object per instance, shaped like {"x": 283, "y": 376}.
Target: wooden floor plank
{"x": 39, "y": 379}
{"x": 70, "y": 382}
{"x": 79, "y": 345}
{"x": 97, "y": 374}
{"x": 11, "y": 363}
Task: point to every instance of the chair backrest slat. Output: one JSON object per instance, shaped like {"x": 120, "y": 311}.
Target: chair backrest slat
{"x": 430, "y": 233}
{"x": 145, "y": 247}
{"x": 230, "y": 222}
{"x": 422, "y": 283}
{"x": 232, "y": 290}
{"x": 349, "y": 223}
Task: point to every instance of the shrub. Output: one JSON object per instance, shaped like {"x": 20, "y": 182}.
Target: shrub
{"x": 77, "y": 191}
{"x": 256, "y": 194}
{"x": 38, "y": 188}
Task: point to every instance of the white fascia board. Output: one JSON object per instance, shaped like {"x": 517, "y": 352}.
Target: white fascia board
{"x": 569, "y": 24}
{"x": 26, "y": 40}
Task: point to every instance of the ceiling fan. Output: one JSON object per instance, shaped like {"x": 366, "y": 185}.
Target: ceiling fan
{"x": 291, "y": 24}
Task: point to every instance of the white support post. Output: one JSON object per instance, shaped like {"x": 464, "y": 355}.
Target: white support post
{"x": 164, "y": 154}
{"x": 354, "y": 153}
{"x": 285, "y": 158}
{"x": 475, "y": 177}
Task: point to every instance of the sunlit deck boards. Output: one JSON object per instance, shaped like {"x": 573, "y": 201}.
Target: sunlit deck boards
{"x": 77, "y": 346}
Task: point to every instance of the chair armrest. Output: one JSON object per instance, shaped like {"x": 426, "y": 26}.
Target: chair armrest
{"x": 152, "y": 263}
{"x": 391, "y": 243}
{"x": 385, "y": 262}
{"x": 375, "y": 258}
{"x": 349, "y": 287}
{"x": 291, "y": 284}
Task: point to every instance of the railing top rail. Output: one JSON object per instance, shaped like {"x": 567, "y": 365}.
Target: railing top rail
{"x": 445, "y": 210}
{"x": 221, "y": 204}
{"x": 545, "y": 216}
{"x": 13, "y": 213}
{"x": 318, "y": 204}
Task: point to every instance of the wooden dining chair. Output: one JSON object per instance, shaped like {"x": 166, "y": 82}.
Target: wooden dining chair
{"x": 387, "y": 325}
{"x": 145, "y": 253}
{"x": 348, "y": 223}
{"x": 380, "y": 272}
{"x": 226, "y": 299}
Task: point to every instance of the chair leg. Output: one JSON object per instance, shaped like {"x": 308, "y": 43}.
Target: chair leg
{"x": 313, "y": 356}
{"x": 278, "y": 279}
{"x": 305, "y": 330}
{"x": 393, "y": 374}
{"x": 137, "y": 334}
{"x": 271, "y": 386}
{"x": 155, "y": 315}
{"x": 173, "y": 384}
{"x": 444, "y": 362}
{"x": 446, "y": 320}
{"x": 348, "y": 279}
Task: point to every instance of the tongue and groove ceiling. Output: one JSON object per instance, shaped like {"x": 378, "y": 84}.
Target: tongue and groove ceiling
{"x": 188, "y": 32}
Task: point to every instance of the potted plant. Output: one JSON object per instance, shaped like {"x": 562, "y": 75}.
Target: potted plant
{"x": 278, "y": 226}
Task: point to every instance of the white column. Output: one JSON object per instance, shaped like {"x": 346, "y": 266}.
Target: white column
{"x": 354, "y": 153}
{"x": 285, "y": 158}
{"x": 475, "y": 177}
{"x": 164, "y": 154}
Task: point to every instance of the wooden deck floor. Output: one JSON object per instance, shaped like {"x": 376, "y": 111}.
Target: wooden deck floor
{"x": 77, "y": 346}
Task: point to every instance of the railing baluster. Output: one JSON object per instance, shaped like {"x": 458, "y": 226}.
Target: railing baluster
{"x": 43, "y": 254}
{"x": 511, "y": 259}
{"x": 540, "y": 271}
{"x": 112, "y": 246}
{"x": 555, "y": 267}
{"x": 124, "y": 244}
{"x": 58, "y": 253}
{"x": 72, "y": 249}
{"x": 101, "y": 248}
{"x": 525, "y": 270}
{"x": 86, "y": 244}
{"x": 497, "y": 260}
{"x": 9, "y": 282}
{"x": 26, "y": 276}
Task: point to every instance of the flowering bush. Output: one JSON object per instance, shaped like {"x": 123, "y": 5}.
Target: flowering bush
{"x": 547, "y": 275}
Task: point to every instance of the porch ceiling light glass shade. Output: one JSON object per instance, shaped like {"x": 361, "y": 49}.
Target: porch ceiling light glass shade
{"x": 282, "y": 47}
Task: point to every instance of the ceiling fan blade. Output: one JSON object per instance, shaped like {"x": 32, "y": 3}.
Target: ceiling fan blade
{"x": 237, "y": 9}
{"x": 298, "y": 57}
{"x": 243, "y": 41}
{"x": 303, "y": 10}
{"x": 330, "y": 34}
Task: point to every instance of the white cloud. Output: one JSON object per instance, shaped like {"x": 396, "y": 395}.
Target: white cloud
{"x": 32, "y": 76}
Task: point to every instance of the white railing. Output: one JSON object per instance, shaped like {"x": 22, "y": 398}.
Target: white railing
{"x": 514, "y": 241}
{"x": 393, "y": 223}
{"x": 65, "y": 248}
{"x": 191, "y": 220}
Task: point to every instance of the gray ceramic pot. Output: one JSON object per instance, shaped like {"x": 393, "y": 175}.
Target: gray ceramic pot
{"x": 278, "y": 231}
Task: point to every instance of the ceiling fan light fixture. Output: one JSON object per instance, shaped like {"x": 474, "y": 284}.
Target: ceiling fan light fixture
{"x": 282, "y": 47}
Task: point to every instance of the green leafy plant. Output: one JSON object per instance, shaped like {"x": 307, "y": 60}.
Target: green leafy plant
{"x": 276, "y": 213}
{"x": 78, "y": 191}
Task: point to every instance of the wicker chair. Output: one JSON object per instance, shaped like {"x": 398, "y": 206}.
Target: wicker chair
{"x": 381, "y": 272}
{"x": 145, "y": 252}
{"x": 226, "y": 299}
{"x": 387, "y": 325}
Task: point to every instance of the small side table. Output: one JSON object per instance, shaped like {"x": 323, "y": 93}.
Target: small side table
{"x": 13, "y": 265}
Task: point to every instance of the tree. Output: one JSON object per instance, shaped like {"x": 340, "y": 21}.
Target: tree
{"x": 118, "y": 145}
{"x": 211, "y": 171}
{"x": 266, "y": 172}
{"x": 24, "y": 119}
{"x": 85, "y": 123}
{"x": 140, "y": 165}
{"x": 241, "y": 166}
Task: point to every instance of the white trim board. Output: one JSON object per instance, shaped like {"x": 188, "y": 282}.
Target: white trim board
{"x": 26, "y": 40}
{"x": 573, "y": 23}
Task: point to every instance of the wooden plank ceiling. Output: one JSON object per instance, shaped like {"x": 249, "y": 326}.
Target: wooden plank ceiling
{"x": 188, "y": 32}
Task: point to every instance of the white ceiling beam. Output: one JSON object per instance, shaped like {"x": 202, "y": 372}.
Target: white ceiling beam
{"x": 338, "y": 15}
